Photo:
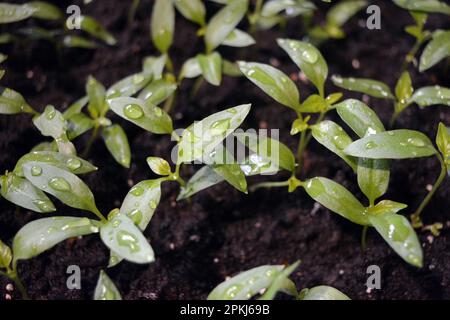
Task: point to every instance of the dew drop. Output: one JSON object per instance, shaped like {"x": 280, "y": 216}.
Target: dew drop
{"x": 73, "y": 164}
{"x": 416, "y": 142}
{"x": 135, "y": 216}
{"x": 137, "y": 191}
{"x": 36, "y": 171}
{"x": 370, "y": 145}
{"x": 127, "y": 239}
{"x": 133, "y": 111}
{"x": 310, "y": 56}
{"x": 59, "y": 184}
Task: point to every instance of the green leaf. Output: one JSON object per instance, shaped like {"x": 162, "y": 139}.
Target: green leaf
{"x": 202, "y": 137}
{"x": 95, "y": 29}
{"x": 430, "y": 6}
{"x": 45, "y": 10}
{"x": 117, "y": 143}
{"x": 256, "y": 165}
{"x": 78, "y": 125}
{"x": 163, "y": 24}
{"x": 45, "y": 146}
{"x": 247, "y": 284}
{"x": 204, "y": 178}
{"x": 309, "y": 59}
{"x": 76, "y": 107}
{"x": 22, "y": 193}
{"x": 5, "y": 256}
{"x": 126, "y": 240}
{"x": 314, "y": 104}
{"x": 337, "y": 198}
{"x": 282, "y": 283}
{"x": 238, "y": 38}
{"x": 142, "y": 114}
{"x": 52, "y": 124}
{"x": 443, "y": 140}
{"x": 12, "y": 102}
{"x": 335, "y": 139}
{"x": 429, "y": 96}
{"x": 359, "y": 117}
{"x": 154, "y": 66}
{"x": 141, "y": 202}
{"x": 322, "y": 293}
{"x": 373, "y": 177}
{"x": 272, "y": 153}
{"x": 397, "y": 144}
{"x": 226, "y": 166}
{"x": 41, "y": 235}
{"x": 340, "y": 13}
{"x": 129, "y": 86}
{"x": 386, "y": 206}
{"x": 193, "y": 10}
{"x": 106, "y": 289}
{"x": 61, "y": 184}
{"x": 436, "y": 50}
{"x": 231, "y": 69}
{"x": 97, "y": 94}
{"x": 273, "y": 82}
{"x": 159, "y": 166}
{"x": 370, "y": 87}
{"x": 291, "y": 8}
{"x": 158, "y": 91}
{"x": 399, "y": 234}
{"x": 72, "y": 41}
{"x": 404, "y": 88}
{"x": 224, "y": 22}
{"x": 73, "y": 164}
{"x": 13, "y": 12}
{"x": 211, "y": 66}
{"x": 191, "y": 69}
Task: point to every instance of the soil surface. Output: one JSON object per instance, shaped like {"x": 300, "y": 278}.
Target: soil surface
{"x": 221, "y": 232}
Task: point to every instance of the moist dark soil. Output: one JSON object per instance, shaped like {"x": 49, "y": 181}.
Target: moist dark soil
{"x": 221, "y": 232}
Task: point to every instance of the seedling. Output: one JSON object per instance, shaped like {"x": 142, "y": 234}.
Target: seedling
{"x": 266, "y": 281}
{"x": 404, "y": 96}
{"x": 10, "y": 13}
{"x": 438, "y": 48}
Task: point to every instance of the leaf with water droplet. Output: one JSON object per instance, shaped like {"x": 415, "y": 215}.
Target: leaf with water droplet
{"x": 238, "y": 38}
{"x": 386, "y": 206}
{"x": 334, "y": 138}
{"x": 22, "y": 193}
{"x": 273, "y": 82}
{"x": 163, "y": 25}
{"x": 95, "y": 29}
{"x": 5, "y": 256}
{"x": 282, "y": 283}
{"x": 193, "y": 10}
{"x": 429, "y": 6}
{"x": 129, "y": 86}
{"x": 224, "y": 22}
{"x": 271, "y": 150}
{"x": 52, "y": 124}
{"x": 370, "y": 87}
{"x": 202, "y": 137}
{"x": 191, "y": 69}
{"x": 204, "y": 178}
{"x": 105, "y": 289}
{"x": 397, "y": 144}
{"x": 337, "y": 198}
{"x": 62, "y": 184}
{"x": 314, "y": 104}
{"x": 142, "y": 114}
{"x": 12, "y": 102}
{"x": 154, "y": 66}
{"x": 141, "y": 202}
{"x": 211, "y": 66}
{"x": 322, "y": 293}
{"x": 41, "y": 235}
{"x": 373, "y": 177}
{"x": 399, "y": 234}
{"x": 78, "y": 125}
{"x": 340, "y": 13}
{"x": 158, "y": 91}
{"x": 246, "y": 284}
{"x": 403, "y": 91}
{"x": 96, "y": 93}
{"x": 116, "y": 141}
{"x": 443, "y": 143}
{"x": 14, "y": 12}
{"x": 73, "y": 164}
{"x": 309, "y": 59}
{"x": 429, "y": 96}
{"x": 126, "y": 240}
{"x": 436, "y": 50}
{"x": 224, "y": 164}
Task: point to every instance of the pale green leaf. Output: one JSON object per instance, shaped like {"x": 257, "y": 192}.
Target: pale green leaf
{"x": 340, "y": 13}
{"x": 129, "y": 86}
{"x": 211, "y": 66}
{"x": 159, "y": 166}
{"x": 12, "y": 102}
{"x": 238, "y": 38}
{"x": 193, "y": 10}
{"x": 158, "y": 91}
{"x": 95, "y": 29}
{"x": 79, "y": 124}
{"x": 436, "y": 50}
{"x": 322, "y": 293}
{"x": 204, "y": 178}
{"x": 370, "y": 87}
{"x": 163, "y": 24}
{"x": 429, "y": 6}
{"x": 14, "y": 12}
{"x": 106, "y": 289}
{"x": 117, "y": 143}
{"x": 5, "y": 256}
{"x": 282, "y": 283}
{"x": 45, "y": 10}
{"x": 429, "y": 96}
{"x": 191, "y": 69}
{"x": 154, "y": 66}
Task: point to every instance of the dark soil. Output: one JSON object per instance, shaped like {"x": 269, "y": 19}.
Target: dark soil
{"x": 221, "y": 232}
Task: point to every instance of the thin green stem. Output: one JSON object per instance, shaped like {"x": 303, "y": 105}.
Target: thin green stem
{"x": 99, "y": 215}
{"x": 169, "y": 64}
{"x": 394, "y": 119}
{"x": 416, "y": 216}
{"x": 412, "y": 53}
{"x": 176, "y": 176}
{"x": 91, "y": 141}
{"x": 197, "y": 85}
{"x": 168, "y": 105}
{"x": 254, "y": 18}
{"x": 269, "y": 185}
{"x": 300, "y": 150}
{"x": 364, "y": 238}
